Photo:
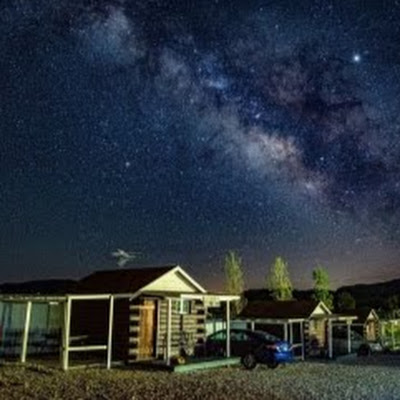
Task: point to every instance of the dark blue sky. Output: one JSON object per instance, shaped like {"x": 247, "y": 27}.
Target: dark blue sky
{"x": 184, "y": 129}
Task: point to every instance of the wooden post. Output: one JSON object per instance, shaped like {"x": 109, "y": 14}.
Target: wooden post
{"x": 290, "y": 332}
{"x": 169, "y": 317}
{"x": 252, "y": 325}
{"x": 302, "y": 340}
{"x": 228, "y": 329}
{"x": 66, "y": 333}
{"x": 348, "y": 337}
{"x": 110, "y": 331}
{"x": 330, "y": 341}
{"x": 157, "y": 336}
{"x": 25, "y": 336}
{"x": 285, "y": 331}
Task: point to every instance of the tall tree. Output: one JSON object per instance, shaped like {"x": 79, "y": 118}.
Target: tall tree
{"x": 322, "y": 286}
{"x": 278, "y": 280}
{"x": 391, "y": 307}
{"x": 234, "y": 281}
{"x": 345, "y": 301}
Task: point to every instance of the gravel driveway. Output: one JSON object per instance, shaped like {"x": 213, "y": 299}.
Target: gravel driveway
{"x": 370, "y": 378}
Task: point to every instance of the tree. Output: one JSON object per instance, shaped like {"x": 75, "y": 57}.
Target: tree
{"x": 234, "y": 278}
{"x": 391, "y": 306}
{"x": 278, "y": 280}
{"x": 322, "y": 286}
{"x": 345, "y": 301}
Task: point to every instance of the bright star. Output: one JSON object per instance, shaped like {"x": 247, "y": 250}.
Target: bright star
{"x": 356, "y": 58}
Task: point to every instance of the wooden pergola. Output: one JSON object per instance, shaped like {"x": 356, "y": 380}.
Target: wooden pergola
{"x": 66, "y": 302}
{"x": 338, "y": 320}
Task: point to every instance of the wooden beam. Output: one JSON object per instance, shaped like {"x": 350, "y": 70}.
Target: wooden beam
{"x": 110, "y": 331}
{"x": 89, "y": 296}
{"x": 302, "y": 340}
{"x": 95, "y": 347}
{"x": 66, "y": 333}
{"x": 157, "y": 335}
{"x": 285, "y": 331}
{"x": 169, "y": 317}
{"x": 228, "y": 329}
{"x": 330, "y": 339}
{"x": 25, "y": 337}
{"x": 272, "y": 321}
{"x": 348, "y": 337}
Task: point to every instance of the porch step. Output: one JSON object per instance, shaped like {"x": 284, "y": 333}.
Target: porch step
{"x": 195, "y": 366}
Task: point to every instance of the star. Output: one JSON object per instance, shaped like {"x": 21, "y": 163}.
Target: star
{"x": 273, "y": 130}
{"x": 356, "y": 58}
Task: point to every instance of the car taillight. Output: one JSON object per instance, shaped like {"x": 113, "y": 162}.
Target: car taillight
{"x": 284, "y": 347}
{"x": 273, "y": 347}
{"x": 281, "y": 347}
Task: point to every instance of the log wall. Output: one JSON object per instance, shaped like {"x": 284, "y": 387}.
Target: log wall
{"x": 186, "y": 329}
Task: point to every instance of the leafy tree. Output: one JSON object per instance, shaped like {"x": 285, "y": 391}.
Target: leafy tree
{"x": 278, "y": 280}
{"x": 321, "y": 286}
{"x": 345, "y": 301}
{"x": 391, "y": 306}
{"x": 234, "y": 283}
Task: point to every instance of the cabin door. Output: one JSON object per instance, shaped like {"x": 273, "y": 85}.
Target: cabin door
{"x": 147, "y": 329}
{"x": 370, "y": 331}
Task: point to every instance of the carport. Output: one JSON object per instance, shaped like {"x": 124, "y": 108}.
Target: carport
{"x": 288, "y": 326}
{"x": 312, "y": 319}
{"x": 338, "y": 320}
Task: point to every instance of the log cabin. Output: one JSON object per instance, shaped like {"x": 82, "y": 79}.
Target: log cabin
{"x": 152, "y": 313}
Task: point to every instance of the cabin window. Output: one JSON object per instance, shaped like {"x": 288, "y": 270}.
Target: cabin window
{"x": 182, "y": 306}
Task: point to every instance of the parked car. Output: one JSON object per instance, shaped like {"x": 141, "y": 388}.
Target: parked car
{"x": 252, "y": 346}
{"x": 359, "y": 345}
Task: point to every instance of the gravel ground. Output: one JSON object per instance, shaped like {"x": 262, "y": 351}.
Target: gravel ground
{"x": 369, "y": 378}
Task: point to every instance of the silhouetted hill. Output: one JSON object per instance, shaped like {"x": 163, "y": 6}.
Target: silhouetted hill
{"x": 374, "y": 294}
{"x": 49, "y": 286}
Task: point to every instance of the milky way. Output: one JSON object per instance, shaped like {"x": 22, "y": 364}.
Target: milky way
{"x": 184, "y": 129}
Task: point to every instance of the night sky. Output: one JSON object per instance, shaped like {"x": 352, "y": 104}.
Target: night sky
{"x": 184, "y": 129}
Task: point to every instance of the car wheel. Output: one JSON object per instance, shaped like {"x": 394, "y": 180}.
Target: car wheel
{"x": 364, "y": 350}
{"x": 272, "y": 364}
{"x": 249, "y": 361}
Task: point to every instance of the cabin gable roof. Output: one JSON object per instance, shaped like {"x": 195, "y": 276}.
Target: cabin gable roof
{"x": 168, "y": 278}
{"x": 284, "y": 309}
{"x": 175, "y": 280}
